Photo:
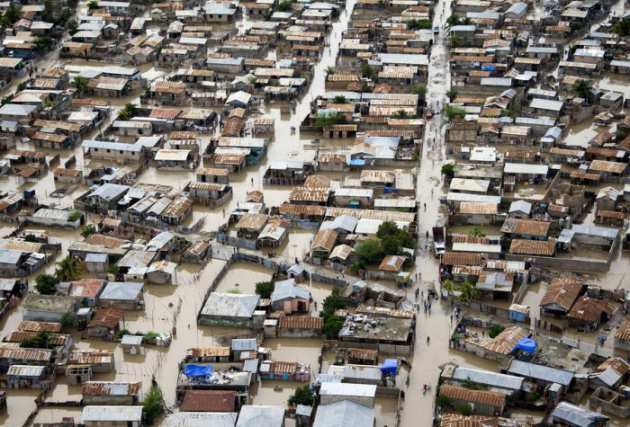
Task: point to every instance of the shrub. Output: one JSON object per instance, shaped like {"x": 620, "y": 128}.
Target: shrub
{"x": 153, "y": 405}
{"x": 74, "y": 215}
{"x": 88, "y": 230}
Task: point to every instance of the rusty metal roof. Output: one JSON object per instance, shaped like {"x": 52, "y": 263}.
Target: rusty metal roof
{"x": 208, "y": 401}
{"x": 301, "y": 322}
{"x": 209, "y": 351}
{"x": 32, "y": 326}
{"x": 110, "y": 388}
{"x": 563, "y": 291}
{"x": 533, "y": 247}
{"x": 483, "y": 397}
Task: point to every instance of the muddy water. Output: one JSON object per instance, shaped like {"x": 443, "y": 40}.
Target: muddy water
{"x": 20, "y": 403}
{"x": 242, "y": 278}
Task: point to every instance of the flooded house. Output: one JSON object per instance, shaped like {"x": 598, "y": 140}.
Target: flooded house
{"x": 29, "y": 376}
{"x": 234, "y": 310}
{"x": 225, "y": 401}
{"x": 209, "y": 193}
{"x": 298, "y": 326}
{"x": 254, "y": 415}
{"x": 292, "y": 172}
{"x": 344, "y": 412}
{"x": 111, "y": 415}
{"x": 483, "y": 402}
{"x": 289, "y": 298}
{"x": 388, "y": 334}
{"x": 99, "y": 361}
{"x": 124, "y": 295}
{"x": 110, "y": 393}
{"x": 105, "y": 323}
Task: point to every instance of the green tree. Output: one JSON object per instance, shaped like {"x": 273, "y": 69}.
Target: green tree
{"x": 48, "y": 14}
{"x": 419, "y": 24}
{"x": 88, "y": 230}
{"x": 68, "y": 321}
{"x": 394, "y": 239}
{"x": 43, "y": 44}
{"x": 64, "y": 17}
{"x": 584, "y": 89}
{"x": 92, "y": 4}
{"x": 72, "y": 26}
{"x": 303, "y": 396}
{"x": 469, "y": 291}
{"x": 11, "y": 16}
{"x": 332, "y": 326}
{"x": 369, "y": 251}
{"x": 285, "y": 5}
{"x": 449, "y": 286}
{"x": 333, "y": 302}
{"x": 452, "y": 94}
{"x": 420, "y": 90}
{"x": 367, "y": 71}
{"x": 453, "y": 111}
{"x": 495, "y": 330}
{"x": 153, "y": 405}
{"x": 74, "y": 215}
{"x": 463, "y": 409}
{"x": 401, "y": 114}
{"x": 69, "y": 268}
{"x": 41, "y": 340}
{"x": 622, "y": 28}
{"x": 46, "y": 284}
{"x": 340, "y": 99}
{"x": 448, "y": 169}
{"x": 265, "y": 289}
{"x": 455, "y": 41}
{"x": 80, "y": 83}
{"x": 128, "y": 112}
{"x": 324, "y": 120}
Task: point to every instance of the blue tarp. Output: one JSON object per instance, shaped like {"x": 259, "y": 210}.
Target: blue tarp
{"x": 356, "y": 162}
{"x": 488, "y": 68}
{"x": 197, "y": 370}
{"x": 389, "y": 367}
{"x": 527, "y": 345}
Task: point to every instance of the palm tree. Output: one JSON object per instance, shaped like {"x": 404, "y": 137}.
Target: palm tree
{"x": 69, "y": 268}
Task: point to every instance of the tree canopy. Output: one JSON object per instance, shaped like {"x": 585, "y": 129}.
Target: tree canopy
{"x": 303, "y": 396}
{"x": 46, "y": 284}
{"x": 265, "y": 289}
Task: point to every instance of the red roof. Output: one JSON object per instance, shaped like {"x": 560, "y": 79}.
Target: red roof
{"x": 208, "y": 401}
